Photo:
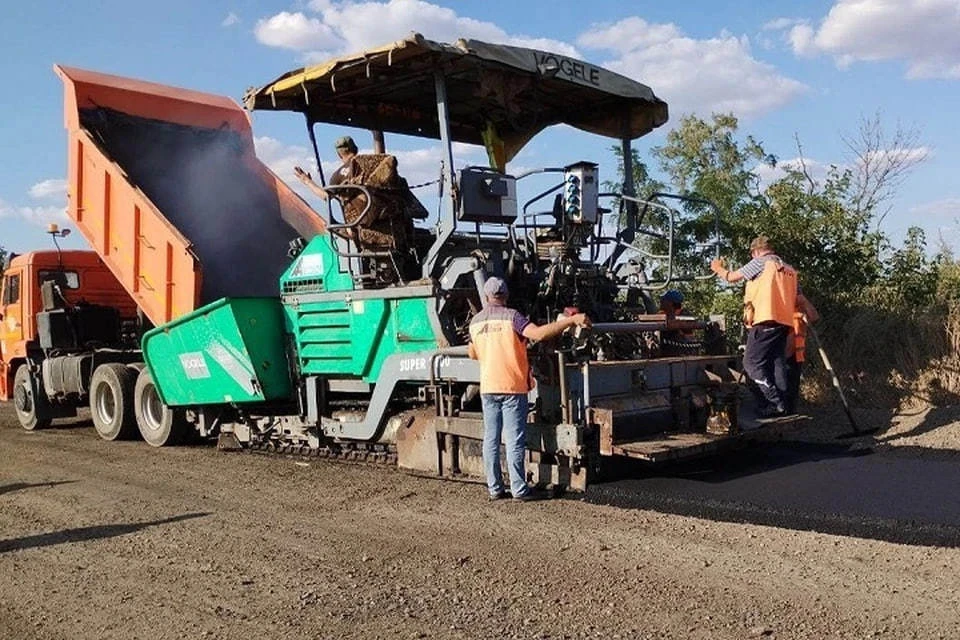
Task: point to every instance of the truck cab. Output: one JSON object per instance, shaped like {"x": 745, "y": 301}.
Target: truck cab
{"x": 82, "y": 277}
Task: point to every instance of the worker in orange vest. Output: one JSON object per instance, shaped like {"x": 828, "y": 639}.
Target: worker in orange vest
{"x": 769, "y": 302}
{"x": 673, "y": 341}
{"x": 796, "y": 350}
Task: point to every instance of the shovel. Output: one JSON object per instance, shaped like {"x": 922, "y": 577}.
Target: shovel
{"x": 857, "y": 431}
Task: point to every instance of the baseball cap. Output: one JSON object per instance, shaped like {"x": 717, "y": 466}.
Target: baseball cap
{"x": 673, "y": 296}
{"x": 495, "y": 287}
{"x": 344, "y": 142}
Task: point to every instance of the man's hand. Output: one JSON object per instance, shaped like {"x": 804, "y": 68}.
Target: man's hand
{"x": 581, "y": 320}
{"x": 302, "y": 175}
{"x": 307, "y": 179}
{"x": 555, "y": 328}
{"x": 716, "y": 265}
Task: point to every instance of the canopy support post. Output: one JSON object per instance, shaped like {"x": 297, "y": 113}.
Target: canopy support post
{"x": 628, "y": 233}
{"x": 447, "y": 223}
{"x": 629, "y": 189}
{"x": 316, "y": 157}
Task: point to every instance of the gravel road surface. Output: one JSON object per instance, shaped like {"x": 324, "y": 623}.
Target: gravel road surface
{"x": 117, "y": 540}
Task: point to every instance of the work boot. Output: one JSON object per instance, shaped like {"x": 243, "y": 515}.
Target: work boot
{"x": 529, "y": 496}
{"x": 770, "y": 411}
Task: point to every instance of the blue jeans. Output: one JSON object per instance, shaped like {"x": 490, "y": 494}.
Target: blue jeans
{"x": 505, "y": 414}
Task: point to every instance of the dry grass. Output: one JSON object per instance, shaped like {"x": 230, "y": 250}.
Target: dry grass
{"x": 889, "y": 360}
{"x": 938, "y": 383}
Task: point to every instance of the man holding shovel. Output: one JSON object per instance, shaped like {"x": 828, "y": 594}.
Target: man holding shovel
{"x": 805, "y": 314}
{"x": 769, "y": 304}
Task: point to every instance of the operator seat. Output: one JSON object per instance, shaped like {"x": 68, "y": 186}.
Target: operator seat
{"x": 387, "y": 225}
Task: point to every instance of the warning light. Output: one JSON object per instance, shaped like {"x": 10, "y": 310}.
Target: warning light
{"x": 580, "y": 193}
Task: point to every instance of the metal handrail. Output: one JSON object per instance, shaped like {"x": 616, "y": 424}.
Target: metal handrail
{"x": 649, "y": 202}
{"x": 351, "y": 225}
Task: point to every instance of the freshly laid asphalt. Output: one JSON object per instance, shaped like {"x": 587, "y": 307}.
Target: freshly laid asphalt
{"x": 894, "y": 495}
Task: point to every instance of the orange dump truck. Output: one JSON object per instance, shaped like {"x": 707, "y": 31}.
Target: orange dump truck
{"x": 166, "y": 188}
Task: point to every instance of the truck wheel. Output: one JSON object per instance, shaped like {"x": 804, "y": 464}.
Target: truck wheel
{"x": 111, "y": 401}
{"x": 160, "y": 425}
{"x": 27, "y": 403}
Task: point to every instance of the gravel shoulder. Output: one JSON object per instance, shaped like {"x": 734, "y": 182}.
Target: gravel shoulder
{"x": 118, "y": 540}
{"x": 920, "y": 427}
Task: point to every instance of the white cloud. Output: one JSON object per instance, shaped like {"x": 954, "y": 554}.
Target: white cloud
{"x": 49, "y": 189}
{"x": 466, "y": 149}
{"x": 309, "y": 58}
{"x": 345, "y": 27}
{"x": 945, "y": 209}
{"x": 281, "y": 158}
{"x": 818, "y": 170}
{"x": 419, "y": 165}
{"x": 231, "y": 20}
{"x": 801, "y": 39}
{"x": 630, "y": 34}
{"x": 779, "y": 24}
{"x": 40, "y": 216}
{"x": 911, "y": 156}
{"x": 941, "y": 219}
{"x": 295, "y": 31}
{"x": 768, "y": 175}
{"x": 921, "y": 32}
{"x": 694, "y": 76}
{"x": 52, "y": 190}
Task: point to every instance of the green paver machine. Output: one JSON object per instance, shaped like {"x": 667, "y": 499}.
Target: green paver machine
{"x": 362, "y": 352}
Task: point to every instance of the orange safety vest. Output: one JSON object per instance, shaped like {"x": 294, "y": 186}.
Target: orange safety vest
{"x": 797, "y": 346}
{"x": 771, "y": 296}
{"x": 502, "y": 352}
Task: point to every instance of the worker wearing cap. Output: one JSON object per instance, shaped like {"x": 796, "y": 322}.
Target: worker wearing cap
{"x": 382, "y": 224}
{"x": 673, "y": 341}
{"x": 671, "y": 304}
{"x": 770, "y": 300}
{"x": 346, "y": 150}
{"x": 498, "y": 339}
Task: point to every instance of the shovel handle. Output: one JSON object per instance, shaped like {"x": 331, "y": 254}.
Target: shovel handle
{"x": 833, "y": 374}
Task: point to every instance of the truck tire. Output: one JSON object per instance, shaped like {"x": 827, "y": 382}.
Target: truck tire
{"x": 29, "y": 405}
{"x": 111, "y": 401}
{"x": 160, "y": 425}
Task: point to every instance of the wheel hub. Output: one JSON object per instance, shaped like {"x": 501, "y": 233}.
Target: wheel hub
{"x": 152, "y": 409}
{"x": 106, "y": 403}
{"x": 21, "y": 399}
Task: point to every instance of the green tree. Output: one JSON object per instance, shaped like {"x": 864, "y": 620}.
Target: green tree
{"x": 707, "y": 160}
{"x": 909, "y": 280}
{"x": 948, "y": 277}
{"x": 890, "y": 311}
{"x": 813, "y": 226}
{"x": 643, "y": 182}
{"x": 827, "y": 228}
{"x": 701, "y": 160}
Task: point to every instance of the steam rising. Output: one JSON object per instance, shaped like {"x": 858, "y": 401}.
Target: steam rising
{"x": 204, "y": 184}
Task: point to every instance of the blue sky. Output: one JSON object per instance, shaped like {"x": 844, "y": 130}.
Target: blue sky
{"x": 811, "y": 69}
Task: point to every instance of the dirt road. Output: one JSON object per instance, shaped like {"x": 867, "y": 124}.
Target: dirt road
{"x": 121, "y": 541}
